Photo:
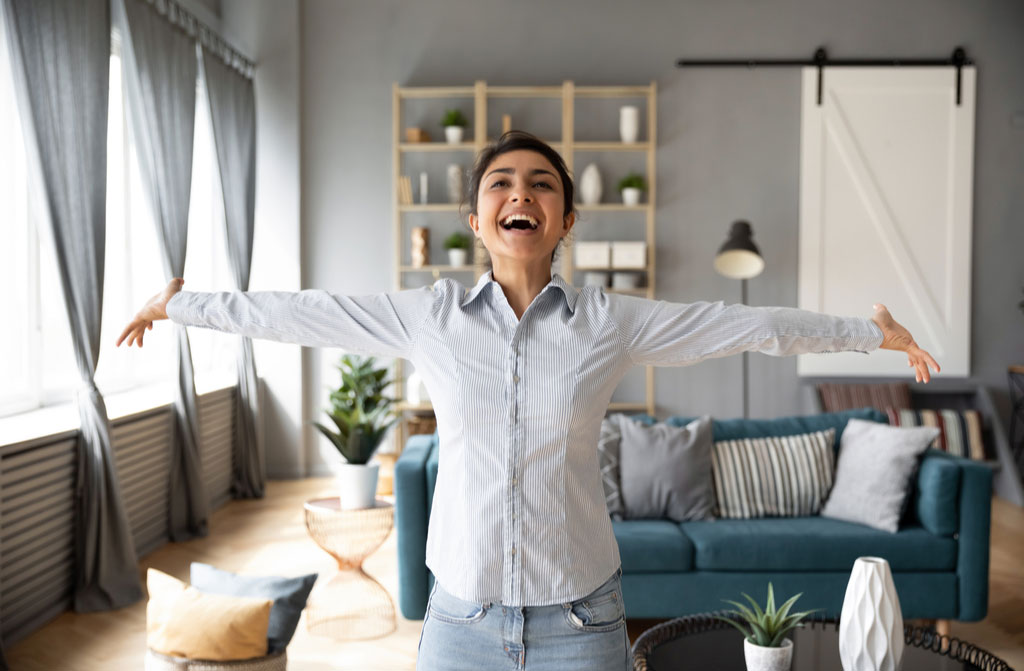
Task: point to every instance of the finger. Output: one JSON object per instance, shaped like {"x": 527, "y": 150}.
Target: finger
{"x": 125, "y": 333}
{"x": 933, "y": 363}
{"x": 150, "y": 326}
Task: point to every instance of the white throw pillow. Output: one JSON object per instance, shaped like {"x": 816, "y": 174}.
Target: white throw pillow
{"x": 876, "y": 462}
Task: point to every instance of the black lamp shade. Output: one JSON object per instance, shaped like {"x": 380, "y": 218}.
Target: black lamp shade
{"x": 739, "y": 258}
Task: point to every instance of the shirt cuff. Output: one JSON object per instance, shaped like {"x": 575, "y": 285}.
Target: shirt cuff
{"x": 179, "y": 309}
{"x": 871, "y": 340}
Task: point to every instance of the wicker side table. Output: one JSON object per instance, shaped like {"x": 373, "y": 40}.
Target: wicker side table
{"x": 352, "y": 605}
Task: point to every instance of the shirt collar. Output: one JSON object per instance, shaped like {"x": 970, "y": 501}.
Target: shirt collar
{"x": 570, "y": 292}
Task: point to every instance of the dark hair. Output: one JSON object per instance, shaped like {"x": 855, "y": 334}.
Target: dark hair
{"x": 515, "y": 140}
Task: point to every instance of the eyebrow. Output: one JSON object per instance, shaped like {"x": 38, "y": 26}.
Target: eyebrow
{"x": 511, "y": 171}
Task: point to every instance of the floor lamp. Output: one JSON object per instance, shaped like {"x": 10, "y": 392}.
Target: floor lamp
{"x": 738, "y": 258}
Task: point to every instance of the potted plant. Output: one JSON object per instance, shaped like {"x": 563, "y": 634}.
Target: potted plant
{"x": 457, "y": 245}
{"x": 631, "y": 186}
{"x": 765, "y": 646}
{"x": 454, "y": 124}
{"x": 362, "y": 415}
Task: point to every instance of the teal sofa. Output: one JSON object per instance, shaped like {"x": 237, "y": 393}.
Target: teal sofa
{"x": 939, "y": 556}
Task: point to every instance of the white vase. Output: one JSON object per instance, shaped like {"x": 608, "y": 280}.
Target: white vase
{"x": 629, "y": 123}
{"x": 871, "y": 623}
{"x": 453, "y": 134}
{"x": 631, "y": 196}
{"x": 590, "y": 185}
{"x": 454, "y": 183}
{"x": 357, "y": 484}
{"x": 760, "y": 658}
{"x": 457, "y": 257}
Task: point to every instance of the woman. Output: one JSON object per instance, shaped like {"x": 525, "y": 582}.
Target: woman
{"x": 520, "y": 371}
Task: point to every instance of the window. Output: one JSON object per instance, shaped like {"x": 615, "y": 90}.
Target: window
{"x": 38, "y": 365}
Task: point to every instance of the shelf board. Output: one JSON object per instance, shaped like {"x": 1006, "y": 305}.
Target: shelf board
{"x": 612, "y": 91}
{"x": 524, "y": 91}
{"x": 437, "y": 92}
{"x": 611, "y": 146}
{"x": 612, "y": 207}
{"x": 436, "y": 146}
{"x": 628, "y": 406}
{"x": 440, "y": 269}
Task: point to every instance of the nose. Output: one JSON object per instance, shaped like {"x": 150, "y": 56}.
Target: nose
{"x": 525, "y": 198}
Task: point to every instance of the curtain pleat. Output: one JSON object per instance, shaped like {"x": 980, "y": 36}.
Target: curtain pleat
{"x": 233, "y": 110}
{"x": 60, "y": 53}
{"x": 160, "y": 69}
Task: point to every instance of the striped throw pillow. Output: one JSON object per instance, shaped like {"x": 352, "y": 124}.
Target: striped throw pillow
{"x": 773, "y": 476}
{"x": 959, "y": 430}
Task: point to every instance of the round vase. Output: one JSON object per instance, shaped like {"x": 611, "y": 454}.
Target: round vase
{"x": 454, "y": 182}
{"x": 453, "y": 134}
{"x": 629, "y": 123}
{"x": 871, "y": 623}
{"x": 631, "y": 196}
{"x": 457, "y": 257}
{"x": 357, "y": 484}
{"x": 590, "y": 185}
{"x": 760, "y": 658}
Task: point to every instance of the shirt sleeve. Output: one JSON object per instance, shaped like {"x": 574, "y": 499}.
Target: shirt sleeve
{"x": 659, "y": 333}
{"x": 385, "y": 324}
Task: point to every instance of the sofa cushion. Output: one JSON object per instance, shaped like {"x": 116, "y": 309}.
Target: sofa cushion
{"x": 812, "y": 544}
{"x": 666, "y": 470}
{"x": 773, "y": 476}
{"x": 734, "y": 429}
{"x": 937, "y": 495}
{"x": 653, "y": 546}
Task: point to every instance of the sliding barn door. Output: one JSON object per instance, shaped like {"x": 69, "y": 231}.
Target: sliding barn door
{"x": 885, "y": 209}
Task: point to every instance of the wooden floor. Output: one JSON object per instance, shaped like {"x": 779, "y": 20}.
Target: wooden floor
{"x": 268, "y": 536}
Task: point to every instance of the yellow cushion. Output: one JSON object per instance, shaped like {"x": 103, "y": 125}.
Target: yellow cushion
{"x": 184, "y": 622}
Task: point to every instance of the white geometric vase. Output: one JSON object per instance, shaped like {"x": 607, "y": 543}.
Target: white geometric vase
{"x": 590, "y": 185}
{"x": 871, "y": 624}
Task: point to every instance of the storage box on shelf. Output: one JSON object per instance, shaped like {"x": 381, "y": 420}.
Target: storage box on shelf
{"x": 487, "y": 109}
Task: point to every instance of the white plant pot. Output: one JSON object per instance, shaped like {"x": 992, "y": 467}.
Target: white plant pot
{"x": 457, "y": 257}
{"x": 871, "y": 623}
{"x": 590, "y": 185}
{"x": 631, "y": 196}
{"x": 453, "y": 134}
{"x": 629, "y": 123}
{"x": 760, "y": 658}
{"x": 357, "y": 484}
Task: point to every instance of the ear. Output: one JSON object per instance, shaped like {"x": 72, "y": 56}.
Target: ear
{"x": 567, "y": 223}
{"x": 474, "y": 222}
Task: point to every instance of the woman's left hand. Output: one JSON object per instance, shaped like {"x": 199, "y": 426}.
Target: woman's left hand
{"x": 897, "y": 337}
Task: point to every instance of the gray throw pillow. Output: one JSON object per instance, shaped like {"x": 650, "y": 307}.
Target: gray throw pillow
{"x": 666, "y": 470}
{"x": 608, "y": 459}
{"x": 289, "y": 595}
{"x": 873, "y": 472}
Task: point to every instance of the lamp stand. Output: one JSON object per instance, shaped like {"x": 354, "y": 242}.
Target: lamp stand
{"x": 746, "y": 363}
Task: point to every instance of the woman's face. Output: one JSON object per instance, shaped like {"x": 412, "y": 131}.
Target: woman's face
{"x": 524, "y": 183}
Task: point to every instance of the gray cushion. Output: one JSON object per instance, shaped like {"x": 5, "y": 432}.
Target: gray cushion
{"x": 666, "y": 470}
{"x": 289, "y": 595}
{"x": 608, "y": 459}
{"x": 873, "y": 472}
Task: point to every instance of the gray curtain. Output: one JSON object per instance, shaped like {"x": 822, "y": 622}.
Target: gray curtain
{"x": 60, "y": 52}
{"x": 233, "y": 109}
{"x": 160, "y": 68}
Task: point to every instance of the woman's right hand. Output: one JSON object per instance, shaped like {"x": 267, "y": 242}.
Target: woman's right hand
{"x": 154, "y": 309}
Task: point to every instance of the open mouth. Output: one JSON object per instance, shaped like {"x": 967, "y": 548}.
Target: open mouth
{"x": 519, "y": 222}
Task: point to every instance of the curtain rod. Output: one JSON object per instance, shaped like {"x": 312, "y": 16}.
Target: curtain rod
{"x": 957, "y": 59}
{"x": 186, "y": 21}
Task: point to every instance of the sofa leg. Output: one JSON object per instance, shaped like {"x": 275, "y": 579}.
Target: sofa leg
{"x": 942, "y": 627}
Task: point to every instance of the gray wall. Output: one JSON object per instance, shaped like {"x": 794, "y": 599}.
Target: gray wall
{"x": 728, "y": 143}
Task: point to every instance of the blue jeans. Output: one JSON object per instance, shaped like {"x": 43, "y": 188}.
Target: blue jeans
{"x": 589, "y": 633}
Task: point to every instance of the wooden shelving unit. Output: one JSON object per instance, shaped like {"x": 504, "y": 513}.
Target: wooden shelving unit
{"x": 567, "y": 145}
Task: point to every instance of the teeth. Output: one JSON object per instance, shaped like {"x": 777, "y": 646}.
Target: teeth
{"x": 507, "y": 222}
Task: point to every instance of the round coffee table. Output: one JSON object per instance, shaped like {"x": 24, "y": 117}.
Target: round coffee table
{"x": 352, "y": 605}
{"x": 702, "y": 642}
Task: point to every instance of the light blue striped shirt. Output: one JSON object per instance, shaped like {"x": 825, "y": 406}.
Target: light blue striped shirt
{"x": 519, "y": 514}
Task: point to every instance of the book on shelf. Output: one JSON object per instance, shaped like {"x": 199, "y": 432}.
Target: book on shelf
{"x": 404, "y": 190}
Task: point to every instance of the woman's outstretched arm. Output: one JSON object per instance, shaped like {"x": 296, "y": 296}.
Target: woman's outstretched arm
{"x": 660, "y": 333}
{"x": 384, "y": 324}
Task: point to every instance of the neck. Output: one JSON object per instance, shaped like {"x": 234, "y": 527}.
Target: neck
{"x": 521, "y": 282}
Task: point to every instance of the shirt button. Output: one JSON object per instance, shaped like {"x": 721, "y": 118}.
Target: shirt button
{"x": 514, "y": 482}
{"x": 513, "y": 550}
{"x": 515, "y": 378}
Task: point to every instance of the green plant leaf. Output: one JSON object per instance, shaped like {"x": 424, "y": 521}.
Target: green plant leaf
{"x": 744, "y": 612}
{"x": 747, "y": 634}
{"x": 757, "y": 608}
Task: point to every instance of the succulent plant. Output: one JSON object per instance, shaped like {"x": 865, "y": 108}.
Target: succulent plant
{"x": 768, "y": 627}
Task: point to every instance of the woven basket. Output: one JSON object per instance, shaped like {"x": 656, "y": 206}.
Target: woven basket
{"x": 158, "y": 662}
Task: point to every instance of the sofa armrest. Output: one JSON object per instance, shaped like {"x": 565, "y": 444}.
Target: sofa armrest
{"x": 974, "y": 510}
{"x": 411, "y": 517}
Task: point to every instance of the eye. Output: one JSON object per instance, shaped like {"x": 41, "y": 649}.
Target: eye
{"x": 544, "y": 184}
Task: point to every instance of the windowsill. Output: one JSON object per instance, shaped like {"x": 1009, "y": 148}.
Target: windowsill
{"x": 63, "y": 418}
